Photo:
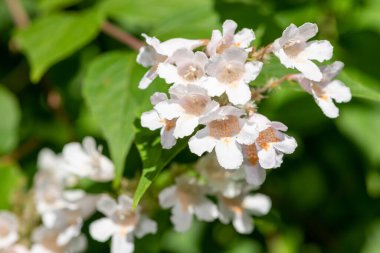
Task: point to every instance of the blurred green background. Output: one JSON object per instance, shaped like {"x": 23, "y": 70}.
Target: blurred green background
{"x": 326, "y": 196}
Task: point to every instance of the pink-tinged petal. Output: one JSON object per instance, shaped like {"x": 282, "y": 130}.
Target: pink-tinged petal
{"x": 169, "y": 109}
{"x": 185, "y": 125}
{"x": 213, "y": 86}
{"x": 147, "y": 56}
{"x": 248, "y": 134}
{"x": 106, "y": 205}
{"x": 331, "y": 71}
{"x": 254, "y": 174}
{"x": 170, "y": 46}
{"x": 338, "y": 91}
{"x": 320, "y": 50}
{"x": 101, "y": 230}
{"x": 181, "y": 218}
{"x": 229, "y": 28}
{"x": 145, "y": 226}
{"x": 151, "y": 120}
{"x": 309, "y": 69}
{"x": 214, "y": 42}
{"x": 168, "y": 72}
{"x": 267, "y": 157}
{"x": 235, "y": 54}
{"x": 229, "y": 153}
{"x": 258, "y": 204}
{"x": 125, "y": 202}
{"x": 206, "y": 210}
{"x": 308, "y": 30}
{"x": 201, "y": 142}
{"x": 238, "y": 94}
{"x": 167, "y": 138}
{"x": 244, "y": 38}
{"x": 243, "y": 223}
{"x": 148, "y": 78}
{"x": 252, "y": 70}
{"x": 167, "y": 197}
{"x": 289, "y": 33}
{"x": 120, "y": 243}
{"x": 158, "y": 97}
{"x": 327, "y": 105}
{"x": 279, "y": 126}
{"x": 284, "y": 58}
{"x": 287, "y": 146}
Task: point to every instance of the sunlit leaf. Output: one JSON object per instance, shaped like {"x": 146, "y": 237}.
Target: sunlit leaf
{"x": 11, "y": 182}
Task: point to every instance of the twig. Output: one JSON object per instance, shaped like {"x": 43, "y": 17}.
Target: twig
{"x": 258, "y": 93}
{"x": 18, "y": 13}
{"x": 259, "y": 55}
{"x": 122, "y": 36}
{"x": 22, "y": 151}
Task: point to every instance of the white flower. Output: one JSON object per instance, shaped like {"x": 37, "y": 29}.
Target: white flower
{"x": 294, "y": 51}
{"x": 157, "y": 52}
{"x": 122, "y": 223}
{"x": 185, "y": 67}
{"x": 87, "y": 161}
{"x": 187, "y": 198}
{"x": 271, "y": 143}
{"x": 17, "y": 248}
{"x": 226, "y": 132}
{"x": 8, "y": 229}
{"x": 221, "y": 41}
{"x": 328, "y": 89}
{"x": 188, "y": 104}
{"x": 232, "y": 75}
{"x": 154, "y": 121}
{"x": 229, "y": 183}
{"x": 240, "y": 208}
{"x": 46, "y": 241}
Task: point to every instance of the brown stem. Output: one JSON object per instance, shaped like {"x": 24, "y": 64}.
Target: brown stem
{"x": 258, "y": 93}
{"x": 259, "y": 55}
{"x": 122, "y": 36}
{"x": 18, "y": 13}
{"x": 22, "y": 151}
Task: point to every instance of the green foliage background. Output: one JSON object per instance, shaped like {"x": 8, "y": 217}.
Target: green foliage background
{"x": 62, "y": 79}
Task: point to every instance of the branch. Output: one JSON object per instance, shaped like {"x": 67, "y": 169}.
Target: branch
{"x": 257, "y": 93}
{"x": 122, "y": 36}
{"x": 22, "y": 151}
{"x": 18, "y": 13}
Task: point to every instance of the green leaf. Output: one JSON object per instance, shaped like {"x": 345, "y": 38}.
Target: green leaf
{"x": 11, "y": 180}
{"x": 10, "y": 113}
{"x": 361, "y": 85}
{"x": 154, "y": 158}
{"x": 166, "y": 18}
{"x": 106, "y": 90}
{"x": 362, "y": 124}
{"x": 51, "y": 5}
{"x": 51, "y": 39}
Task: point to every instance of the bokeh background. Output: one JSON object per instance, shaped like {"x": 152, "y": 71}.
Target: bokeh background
{"x": 326, "y": 196}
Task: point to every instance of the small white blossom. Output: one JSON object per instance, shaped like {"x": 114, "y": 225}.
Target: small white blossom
{"x": 8, "y": 229}
{"x": 154, "y": 121}
{"x": 271, "y": 143}
{"x": 188, "y": 104}
{"x": 229, "y": 183}
{"x": 225, "y": 131}
{"x": 122, "y": 223}
{"x": 254, "y": 173}
{"x": 187, "y": 198}
{"x": 185, "y": 67}
{"x": 232, "y": 74}
{"x": 294, "y": 51}
{"x": 46, "y": 241}
{"x": 221, "y": 41}
{"x": 157, "y": 52}
{"x": 328, "y": 89}
{"x": 240, "y": 209}
{"x": 87, "y": 161}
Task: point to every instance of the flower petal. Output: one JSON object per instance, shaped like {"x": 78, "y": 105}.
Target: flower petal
{"x": 309, "y": 69}
{"x": 121, "y": 244}
{"x": 151, "y": 120}
{"x": 267, "y": 157}
{"x": 167, "y": 197}
{"x": 252, "y": 70}
{"x": 145, "y": 226}
{"x": 201, "y": 142}
{"x": 228, "y": 153}
{"x": 206, "y": 210}
{"x": 238, "y": 94}
{"x": 181, "y": 218}
{"x": 169, "y": 73}
{"x": 258, "y": 204}
{"x": 254, "y": 174}
{"x": 185, "y": 125}
{"x": 287, "y": 146}
{"x": 327, "y": 105}
{"x": 243, "y": 223}
{"x": 169, "y": 109}
{"x": 101, "y": 230}
{"x": 106, "y": 205}
{"x": 320, "y": 50}
{"x": 244, "y": 38}
{"x": 338, "y": 91}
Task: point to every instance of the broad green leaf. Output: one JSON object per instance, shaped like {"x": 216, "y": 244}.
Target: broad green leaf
{"x": 10, "y": 115}
{"x": 154, "y": 158}
{"x": 362, "y": 124}
{"x": 52, "y": 38}
{"x": 50, "y": 5}
{"x": 361, "y": 85}
{"x": 11, "y": 180}
{"x": 372, "y": 243}
{"x": 106, "y": 90}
